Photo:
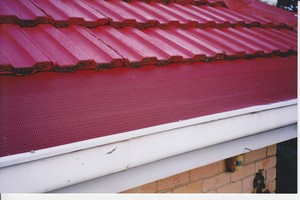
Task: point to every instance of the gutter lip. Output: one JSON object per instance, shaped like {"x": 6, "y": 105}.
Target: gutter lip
{"x": 125, "y": 136}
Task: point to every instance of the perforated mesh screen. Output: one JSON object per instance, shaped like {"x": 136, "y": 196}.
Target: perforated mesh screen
{"x": 50, "y": 109}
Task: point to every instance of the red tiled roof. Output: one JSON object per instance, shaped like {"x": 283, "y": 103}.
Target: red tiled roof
{"x": 139, "y": 14}
{"x": 130, "y": 46}
{"x": 216, "y": 56}
{"x": 77, "y": 47}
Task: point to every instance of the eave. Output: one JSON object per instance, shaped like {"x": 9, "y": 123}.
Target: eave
{"x": 84, "y": 161}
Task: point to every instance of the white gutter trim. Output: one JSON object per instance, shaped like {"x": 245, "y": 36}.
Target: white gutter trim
{"x": 75, "y": 167}
{"x": 63, "y": 149}
{"x": 148, "y": 173}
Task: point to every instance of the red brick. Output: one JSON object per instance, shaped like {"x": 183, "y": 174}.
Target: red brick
{"x": 245, "y": 171}
{"x": 271, "y": 174}
{"x": 222, "y": 166}
{"x": 204, "y": 172}
{"x": 173, "y": 181}
{"x": 266, "y": 163}
{"x": 196, "y": 187}
{"x": 248, "y": 184}
{"x": 248, "y": 191}
{"x": 255, "y": 155}
{"x": 212, "y": 191}
{"x": 271, "y": 186}
{"x": 272, "y": 150}
{"x": 127, "y": 191}
{"x": 166, "y": 191}
{"x": 235, "y": 187}
{"x": 147, "y": 188}
{"x": 216, "y": 181}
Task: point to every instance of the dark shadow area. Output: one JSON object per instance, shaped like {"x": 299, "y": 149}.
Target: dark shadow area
{"x": 290, "y": 5}
{"x": 286, "y": 181}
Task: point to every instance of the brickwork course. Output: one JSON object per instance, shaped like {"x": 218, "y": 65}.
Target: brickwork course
{"x": 214, "y": 178}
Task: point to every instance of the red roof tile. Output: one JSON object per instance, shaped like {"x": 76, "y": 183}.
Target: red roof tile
{"x": 118, "y": 14}
{"x": 64, "y": 13}
{"x": 270, "y": 13}
{"x": 21, "y": 12}
{"x": 77, "y": 47}
{"x": 227, "y": 56}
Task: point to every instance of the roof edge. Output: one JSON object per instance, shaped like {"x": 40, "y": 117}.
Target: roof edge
{"x": 140, "y": 147}
{"x": 266, "y": 11}
{"x": 92, "y": 143}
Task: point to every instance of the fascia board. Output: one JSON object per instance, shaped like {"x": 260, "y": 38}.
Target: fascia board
{"x": 144, "y": 174}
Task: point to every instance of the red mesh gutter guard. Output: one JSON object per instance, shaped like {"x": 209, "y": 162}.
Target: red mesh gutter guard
{"x": 50, "y": 109}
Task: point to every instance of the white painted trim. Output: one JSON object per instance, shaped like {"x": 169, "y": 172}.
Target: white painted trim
{"x": 63, "y": 149}
{"x": 96, "y": 158}
{"x": 167, "y": 167}
{"x": 270, "y": 2}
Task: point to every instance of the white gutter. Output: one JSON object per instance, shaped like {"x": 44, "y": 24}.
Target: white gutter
{"x": 144, "y": 174}
{"x": 78, "y": 162}
{"x": 270, "y": 2}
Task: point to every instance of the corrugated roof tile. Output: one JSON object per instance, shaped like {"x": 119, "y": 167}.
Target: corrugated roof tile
{"x": 64, "y": 13}
{"x": 119, "y": 14}
{"x": 102, "y": 47}
{"x": 71, "y": 50}
{"x": 21, "y": 12}
{"x": 20, "y": 51}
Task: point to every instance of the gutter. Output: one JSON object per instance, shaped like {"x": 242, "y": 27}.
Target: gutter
{"x": 58, "y": 167}
{"x": 154, "y": 171}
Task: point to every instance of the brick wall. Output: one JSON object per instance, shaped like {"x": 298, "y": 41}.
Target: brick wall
{"x": 213, "y": 178}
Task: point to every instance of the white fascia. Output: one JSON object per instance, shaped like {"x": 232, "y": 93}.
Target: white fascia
{"x": 137, "y": 176}
{"x": 62, "y": 166}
